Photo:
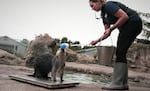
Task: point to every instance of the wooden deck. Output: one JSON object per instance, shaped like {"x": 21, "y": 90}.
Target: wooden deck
{"x": 43, "y": 83}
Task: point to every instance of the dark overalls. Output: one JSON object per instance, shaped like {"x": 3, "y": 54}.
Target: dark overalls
{"x": 127, "y": 32}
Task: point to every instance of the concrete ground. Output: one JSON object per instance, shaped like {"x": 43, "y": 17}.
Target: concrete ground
{"x": 100, "y": 69}
{"x": 6, "y": 84}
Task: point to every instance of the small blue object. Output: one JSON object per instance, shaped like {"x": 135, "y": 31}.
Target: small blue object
{"x": 63, "y": 45}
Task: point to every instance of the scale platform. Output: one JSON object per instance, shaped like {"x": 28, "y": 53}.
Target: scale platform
{"x": 43, "y": 83}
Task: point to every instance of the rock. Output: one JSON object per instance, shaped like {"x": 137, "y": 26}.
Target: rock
{"x": 10, "y": 59}
{"x": 72, "y": 56}
{"x": 133, "y": 66}
{"x": 83, "y": 58}
{"x": 41, "y": 44}
{"x": 138, "y": 56}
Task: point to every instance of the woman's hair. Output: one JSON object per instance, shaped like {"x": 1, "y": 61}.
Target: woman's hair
{"x": 97, "y": 1}
{"x": 92, "y": 0}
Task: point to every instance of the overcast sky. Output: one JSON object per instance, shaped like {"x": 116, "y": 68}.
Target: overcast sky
{"x": 73, "y": 19}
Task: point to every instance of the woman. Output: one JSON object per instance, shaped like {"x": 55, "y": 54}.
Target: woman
{"x": 129, "y": 25}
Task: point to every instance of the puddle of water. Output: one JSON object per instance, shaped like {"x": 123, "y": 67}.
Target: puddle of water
{"x": 86, "y": 78}
{"x": 97, "y": 79}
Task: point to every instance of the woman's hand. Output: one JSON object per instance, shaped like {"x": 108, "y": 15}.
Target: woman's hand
{"x": 94, "y": 42}
{"x": 104, "y": 36}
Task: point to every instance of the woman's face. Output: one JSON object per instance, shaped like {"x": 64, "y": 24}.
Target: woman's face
{"x": 96, "y": 6}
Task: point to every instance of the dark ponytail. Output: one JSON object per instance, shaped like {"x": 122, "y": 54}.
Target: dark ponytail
{"x": 93, "y": 0}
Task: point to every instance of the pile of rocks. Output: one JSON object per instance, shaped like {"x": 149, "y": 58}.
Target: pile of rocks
{"x": 138, "y": 57}
{"x": 45, "y": 43}
{"x": 41, "y": 44}
{"x": 10, "y": 59}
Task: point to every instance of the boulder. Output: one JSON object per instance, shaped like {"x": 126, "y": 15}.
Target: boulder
{"x": 138, "y": 57}
{"x": 41, "y": 44}
{"x": 86, "y": 59}
{"x": 10, "y": 59}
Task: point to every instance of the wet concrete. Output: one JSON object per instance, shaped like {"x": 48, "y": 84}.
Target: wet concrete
{"x": 6, "y": 84}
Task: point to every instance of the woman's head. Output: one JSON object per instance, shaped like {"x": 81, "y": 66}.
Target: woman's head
{"x": 96, "y": 5}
